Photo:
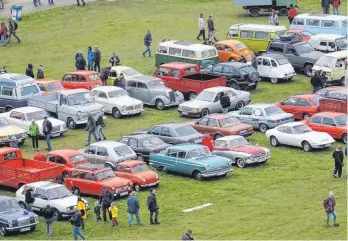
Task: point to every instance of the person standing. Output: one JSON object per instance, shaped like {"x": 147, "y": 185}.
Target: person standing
{"x": 201, "y": 27}
{"x": 34, "y": 134}
{"x": 2, "y": 5}
{"x": 48, "y": 216}
{"x": 81, "y": 206}
{"x": 76, "y": 223}
{"x": 211, "y": 29}
{"x": 90, "y": 58}
{"x": 105, "y": 199}
{"x": 97, "y": 58}
{"x": 336, "y": 7}
{"x": 3, "y": 33}
{"x": 147, "y": 43}
{"x": 133, "y": 209}
{"x": 338, "y": 158}
{"x": 273, "y": 18}
{"x": 208, "y": 141}
{"x": 83, "y": 2}
{"x": 40, "y": 73}
{"x": 29, "y": 71}
{"x": 91, "y": 128}
{"x": 325, "y": 5}
{"x": 316, "y": 81}
{"x": 80, "y": 62}
{"x": 114, "y": 60}
{"x": 50, "y": 2}
{"x": 292, "y": 13}
{"x": 187, "y": 235}
{"x": 37, "y": 2}
{"x": 47, "y": 130}
{"x": 12, "y": 27}
{"x": 14, "y": 142}
{"x": 29, "y": 198}
{"x": 100, "y": 126}
{"x": 225, "y": 102}
{"x": 152, "y": 206}
{"x": 114, "y": 211}
{"x": 104, "y": 75}
{"x": 329, "y": 205}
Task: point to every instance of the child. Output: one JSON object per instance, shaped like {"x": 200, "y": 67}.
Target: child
{"x": 114, "y": 210}
{"x": 97, "y": 208}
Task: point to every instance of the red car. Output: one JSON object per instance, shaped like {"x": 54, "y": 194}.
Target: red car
{"x": 90, "y": 179}
{"x": 81, "y": 79}
{"x": 218, "y": 125}
{"x": 301, "y": 106}
{"x": 138, "y": 173}
{"x": 333, "y": 123}
{"x": 300, "y": 34}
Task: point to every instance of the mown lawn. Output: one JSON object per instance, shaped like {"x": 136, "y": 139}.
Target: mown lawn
{"x": 279, "y": 200}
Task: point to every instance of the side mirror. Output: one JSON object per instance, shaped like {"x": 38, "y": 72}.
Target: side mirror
{"x": 296, "y": 54}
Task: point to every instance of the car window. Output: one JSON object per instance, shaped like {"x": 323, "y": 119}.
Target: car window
{"x": 259, "y": 61}
{"x": 174, "y": 73}
{"x": 162, "y": 49}
{"x": 328, "y": 24}
{"x": 246, "y": 34}
{"x": 67, "y": 78}
{"x": 101, "y": 151}
{"x": 90, "y": 176}
{"x": 302, "y": 102}
{"x": 60, "y": 160}
{"x": 298, "y": 21}
{"x": 313, "y": 22}
{"x": 162, "y": 71}
{"x": 246, "y": 111}
{"x": 40, "y": 193}
{"x": 124, "y": 140}
{"x": 291, "y": 50}
{"x": 232, "y": 33}
{"x": 266, "y": 62}
{"x": 227, "y": 70}
{"x": 41, "y": 86}
{"x": 132, "y": 84}
{"x": 257, "y": 112}
{"x": 63, "y": 100}
{"x": 113, "y": 73}
{"x": 175, "y": 51}
{"x": 133, "y": 143}
{"x": 261, "y": 35}
{"x": 156, "y": 130}
{"x": 102, "y": 95}
{"x": 203, "y": 121}
{"x": 274, "y": 64}
{"x": 328, "y": 121}
{"x": 91, "y": 150}
{"x": 190, "y": 71}
{"x": 141, "y": 86}
{"x": 188, "y": 53}
{"x": 316, "y": 120}
{"x": 50, "y": 158}
{"x": 285, "y": 129}
{"x": 75, "y": 78}
{"x": 172, "y": 153}
{"x": 290, "y": 101}
{"x": 218, "y": 69}
{"x": 212, "y": 123}
{"x": 181, "y": 154}
{"x": 323, "y": 43}
{"x": 119, "y": 168}
{"x": 275, "y": 47}
{"x": 82, "y": 78}
{"x": 17, "y": 115}
{"x": 7, "y": 91}
{"x": 165, "y": 131}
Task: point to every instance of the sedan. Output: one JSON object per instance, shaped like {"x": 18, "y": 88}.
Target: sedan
{"x": 299, "y": 135}
{"x": 8, "y": 132}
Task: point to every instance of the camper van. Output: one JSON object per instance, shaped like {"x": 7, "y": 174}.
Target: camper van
{"x": 328, "y": 42}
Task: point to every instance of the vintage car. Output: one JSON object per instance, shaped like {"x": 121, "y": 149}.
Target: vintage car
{"x": 233, "y": 50}
{"x": 208, "y": 101}
{"x": 127, "y": 72}
{"x": 151, "y": 91}
{"x": 81, "y": 79}
{"x": 22, "y": 117}
{"x": 192, "y": 160}
{"x": 174, "y": 133}
{"x": 334, "y": 92}
{"x": 90, "y": 179}
{"x": 144, "y": 144}
{"x": 49, "y": 86}
{"x": 328, "y": 42}
{"x": 116, "y": 101}
{"x": 240, "y": 151}
{"x": 56, "y": 195}
{"x": 15, "y": 219}
{"x": 333, "y": 123}
{"x": 274, "y": 67}
{"x": 263, "y": 116}
{"x": 8, "y": 131}
{"x": 299, "y": 134}
{"x": 219, "y": 125}
{"x": 300, "y": 34}
{"x": 301, "y": 106}
{"x": 108, "y": 153}
{"x": 139, "y": 173}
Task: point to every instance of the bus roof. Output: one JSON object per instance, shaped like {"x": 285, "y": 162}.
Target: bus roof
{"x": 257, "y": 27}
{"x": 14, "y": 80}
{"x": 187, "y": 45}
{"x": 322, "y": 16}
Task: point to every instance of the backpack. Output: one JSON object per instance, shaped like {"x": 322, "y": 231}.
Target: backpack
{"x": 15, "y": 25}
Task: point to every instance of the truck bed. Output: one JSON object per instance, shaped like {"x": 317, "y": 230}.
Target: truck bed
{"x": 47, "y": 102}
{"x": 333, "y": 105}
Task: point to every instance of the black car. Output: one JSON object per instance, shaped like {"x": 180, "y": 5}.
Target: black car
{"x": 238, "y": 75}
{"x": 144, "y": 144}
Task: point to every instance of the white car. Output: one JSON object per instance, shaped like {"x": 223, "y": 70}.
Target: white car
{"x": 56, "y": 195}
{"x": 117, "y": 101}
{"x": 274, "y": 67}
{"x": 127, "y": 72}
{"x": 300, "y": 135}
{"x": 22, "y": 117}
{"x": 328, "y": 42}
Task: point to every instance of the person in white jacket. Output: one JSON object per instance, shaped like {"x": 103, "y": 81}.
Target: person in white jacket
{"x": 201, "y": 26}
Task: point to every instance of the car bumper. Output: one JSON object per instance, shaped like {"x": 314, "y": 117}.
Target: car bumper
{"x": 132, "y": 112}
{"x": 24, "y": 228}
{"x": 329, "y": 82}
{"x": 288, "y": 77}
{"x": 8, "y": 141}
{"x": 150, "y": 184}
{"x": 81, "y": 122}
{"x": 257, "y": 160}
{"x": 245, "y": 134}
{"x": 190, "y": 114}
{"x": 322, "y": 145}
{"x": 169, "y": 104}
{"x": 216, "y": 173}
{"x": 121, "y": 194}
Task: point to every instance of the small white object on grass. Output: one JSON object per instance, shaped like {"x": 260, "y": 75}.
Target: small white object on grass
{"x": 197, "y": 208}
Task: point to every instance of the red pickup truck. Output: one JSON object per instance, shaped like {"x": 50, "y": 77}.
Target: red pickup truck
{"x": 16, "y": 171}
{"x": 186, "y": 78}
{"x": 333, "y": 105}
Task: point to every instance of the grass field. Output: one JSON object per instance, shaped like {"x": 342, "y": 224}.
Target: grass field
{"x": 279, "y": 200}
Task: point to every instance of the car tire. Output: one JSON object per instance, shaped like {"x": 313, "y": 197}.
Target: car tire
{"x": 231, "y": 59}
{"x": 71, "y": 123}
{"x": 3, "y": 231}
{"x": 240, "y": 105}
{"x": 75, "y": 191}
{"x": 56, "y": 215}
{"x": 32, "y": 229}
{"x": 234, "y": 85}
{"x": 254, "y": 12}
{"x": 253, "y": 87}
{"x": 197, "y": 175}
{"x": 65, "y": 175}
{"x": 137, "y": 187}
{"x": 22, "y": 205}
{"x": 140, "y": 157}
{"x": 305, "y": 116}
{"x": 204, "y": 112}
{"x": 308, "y": 70}
{"x": 159, "y": 104}
{"x": 274, "y": 141}
{"x": 240, "y": 163}
{"x": 192, "y": 95}
{"x": 343, "y": 79}
{"x": 344, "y": 138}
{"x": 116, "y": 113}
{"x": 8, "y": 108}
{"x": 306, "y": 146}
{"x": 283, "y": 12}
{"x": 162, "y": 168}
{"x": 217, "y": 136}
{"x": 274, "y": 80}
{"x": 263, "y": 127}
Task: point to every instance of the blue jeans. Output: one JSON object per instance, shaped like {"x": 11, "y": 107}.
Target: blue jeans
{"x": 77, "y": 232}
{"x": 100, "y": 132}
{"x": 335, "y": 11}
{"x": 48, "y": 141}
{"x": 328, "y": 216}
{"x": 147, "y": 50}
{"x": 1, "y": 4}
{"x": 130, "y": 220}
{"x": 89, "y": 136}
{"x": 224, "y": 110}
{"x": 3, "y": 40}
{"x": 29, "y": 207}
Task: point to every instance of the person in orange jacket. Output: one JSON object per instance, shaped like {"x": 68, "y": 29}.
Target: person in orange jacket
{"x": 292, "y": 13}
{"x": 208, "y": 141}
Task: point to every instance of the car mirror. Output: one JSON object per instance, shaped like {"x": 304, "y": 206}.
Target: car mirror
{"x": 282, "y": 103}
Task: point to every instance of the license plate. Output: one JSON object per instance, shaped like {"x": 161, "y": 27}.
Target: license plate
{"x": 24, "y": 229}
{"x": 220, "y": 173}
{"x": 123, "y": 193}
{"x": 184, "y": 113}
{"x": 243, "y": 131}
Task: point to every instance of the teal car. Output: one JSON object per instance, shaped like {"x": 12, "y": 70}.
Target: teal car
{"x": 192, "y": 160}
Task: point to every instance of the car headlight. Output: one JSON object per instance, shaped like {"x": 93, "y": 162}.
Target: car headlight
{"x": 144, "y": 180}
{"x": 10, "y": 224}
{"x": 156, "y": 176}
{"x": 206, "y": 166}
{"x": 36, "y": 217}
{"x": 131, "y": 183}
{"x": 113, "y": 188}
{"x": 196, "y": 109}
{"x": 167, "y": 94}
{"x": 124, "y": 107}
{"x": 79, "y": 115}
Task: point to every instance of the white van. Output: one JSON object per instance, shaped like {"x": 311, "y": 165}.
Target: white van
{"x": 328, "y": 42}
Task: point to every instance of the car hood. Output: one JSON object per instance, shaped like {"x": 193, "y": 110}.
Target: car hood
{"x": 238, "y": 127}
{"x": 115, "y": 181}
{"x": 279, "y": 116}
{"x": 66, "y": 201}
{"x": 148, "y": 175}
{"x": 11, "y": 130}
{"x": 317, "y": 136}
{"x": 195, "y": 103}
{"x": 192, "y": 137}
{"x": 315, "y": 55}
{"x": 249, "y": 149}
{"x": 212, "y": 160}
{"x": 16, "y": 214}
{"x": 125, "y": 100}
{"x": 159, "y": 148}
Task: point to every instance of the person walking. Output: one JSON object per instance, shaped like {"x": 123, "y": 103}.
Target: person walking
{"x": 329, "y": 205}
{"x": 76, "y": 223}
{"x": 114, "y": 212}
{"x": 97, "y": 208}
{"x": 47, "y": 130}
{"x": 12, "y": 28}
{"x": 97, "y": 58}
{"x": 80, "y": 62}
{"x": 133, "y": 208}
{"x": 48, "y": 216}
{"x": 292, "y": 13}
{"x": 147, "y": 43}
{"x": 211, "y": 29}
{"x": 37, "y": 2}
{"x": 187, "y": 235}
{"x": 3, "y": 33}
{"x": 29, "y": 198}
{"x": 40, "y": 73}
{"x": 105, "y": 199}
{"x": 83, "y": 2}
{"x": 29, "y": 71}
{"x": 91, "y": 128}
{"x": 90, "y": 58}
{"x": 273, "y": 18}
{"x": 325, "y": 5}
{"x": 81, "y": 206}
{"x": 50, "y": 2}
{"x": 152, "y": 206}
{"x": 34, "y": 134}
{"x": 201, "y": 27}
{"x": 114, "y": 60}
{"x": 316, "y": 81}
{"x": 336, "y": 7}
{"x": 225, "y": 102}
{"x": 100, "y": 126}
{"x": 338, "y": 158}
{"x": 208, "y": 141}
{"x": 2, "y": 4}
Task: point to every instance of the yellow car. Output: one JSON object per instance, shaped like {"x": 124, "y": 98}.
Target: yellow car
{"x": 7, "y": 132}
{"x": 126, "y": 71}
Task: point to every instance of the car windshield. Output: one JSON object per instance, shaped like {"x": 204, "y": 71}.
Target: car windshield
{"x": 54, "y": 86}
{"x": 241, "y": 141}
{"x": 273, "y": 110}
{"x": 77, "y": 158}
{"x": 117, "y": 93}
{"x": 325, "y": 61}
{"x": 304, "y": 48}
{"x": 206, "y": 96}
{"x": 240, "y": 46}
{"x": 155, "y": 83}
{"x": 231, "y": 121}
{"x": 341, "y": 120}
{"x": 105, "y": 174}
{"x": 130, "y": 72}
{"x": 315, "y": 100}
{"x": 199, "y": 152}
{"x": 79, "y": 98}
{"x": 300, "y": 129}
{"x": 37, "y": 115}
{"x": 94, "y": 77}
{"x": 59, "y": 192}
{"x": 152, "y": 142}
{"x": 283, "y": 61}
{"x": 8, "y": 205}
{"x": 29, "y": 90}
{"x": 247, "y": 69}
{"x": 185, "y": 131}
{"x": 339, "y": 94}
{"x": 139, "y": 168}
{"x": 342, "y": 43}
{"x": 122, "y": 151}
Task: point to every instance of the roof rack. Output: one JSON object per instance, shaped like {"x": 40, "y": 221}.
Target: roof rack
{"x": 288, "y": 38}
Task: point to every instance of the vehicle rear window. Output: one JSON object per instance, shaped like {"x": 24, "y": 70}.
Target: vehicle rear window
{"x": 283, "y": 61}
{"x": 232, "y": 33}
{"x": 185, "y": 131}
{"x": 307, "y": 34}
{"x": 240, "y": 46}
{"x": 298, "y": 21}
{"x": 316, "y": 100}
{"x": 209, "y": 53}
{"x": 94, "y": 77}
{"x": 53, "y": 86}
{"x": 123, "y": 151}
{"x": 231, "y": 121}
{"x": 247, "y": 69}
{"x": 29, "y": 90}
{"x": 77, "y": 158}
{"x": 341, "y": 120}
{"x": 130, "y": 72}
{"x": 273, "y": 110}
{"x": 304, "y": 48}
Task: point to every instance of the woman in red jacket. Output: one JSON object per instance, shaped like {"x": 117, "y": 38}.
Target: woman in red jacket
{"x": 208, "y": 141}
{"x": 3, "y": 33}
{"x": 292, "y": 13}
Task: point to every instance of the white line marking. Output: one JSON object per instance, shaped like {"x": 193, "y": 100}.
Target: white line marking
{"x": 198, "y": 207}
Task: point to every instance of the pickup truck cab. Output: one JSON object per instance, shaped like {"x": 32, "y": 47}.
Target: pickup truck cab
{"x": 186, "y": 78}
{"x": 81, "y": 79}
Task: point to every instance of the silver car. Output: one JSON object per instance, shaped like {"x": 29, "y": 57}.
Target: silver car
{"x": 152, "y": 91}
{"x": 263, "y": 116}
{"x": 208, "y": 101}
{"x": 108, "y": 153}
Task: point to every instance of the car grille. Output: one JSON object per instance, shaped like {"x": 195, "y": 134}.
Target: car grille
{"x": 186, "y": 108}
{"x": 259, "y": 156}
{"x": 171, "y": 96}
{"x": 212, "y": 169}
{"x": 23, "y": 221}
{"x": 129, "y": 108}
{"x": 137, "y": 106}
{"x": 121, "y": 189}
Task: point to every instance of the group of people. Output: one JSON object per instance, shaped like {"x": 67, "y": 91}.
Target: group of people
{"x": 211, "y": 29}
{"x": 95, "y": 126}
{"x": 30, "y": 71}
{"x": 93, "y": 57}
{"x": 7, "y": 31}
{"x": 34, "y": 133}
{"x": 325, "y": 4}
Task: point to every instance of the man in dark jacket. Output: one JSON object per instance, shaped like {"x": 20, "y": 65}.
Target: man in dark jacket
{"x": 29, "y": 71}
{"x": 133, "y": 208}
{"x": 104, "y": 75}
{"x": 29, "y": 198}
{"x": 100, "y": 127}
{"x": 316, "y": 81}
{"x": 152, "y": 206}
{"x": 47, "y": 130}
{"x": 105, "y": 199}
{"x": 338, "y": 157}
{"x": 325, "y": 4}
{"x": 225, "y": 102}
{"x": 147, "y": 43}
{"x": 91, "y": 128}
{"x": 80, "y": 62}
{"x": 12, "y": 30}
{"x": 97, "y": 58}
{"x": 114, "y": 60}
{"x": 187, "y": 235}
{"x": 211, "y": 29}
{"x": 76, "y": 223}
{"x": 48, "y": 216}
{"x": 121, "y": 81}
{"x": 40, "y": 73}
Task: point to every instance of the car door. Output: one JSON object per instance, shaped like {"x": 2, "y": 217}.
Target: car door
{"x": 245, "y": 115}
{"x": 302, "y": 106}
{"x": 91, "y": 184}
{"x": 338, "y": 69}
{"x": 288, "y": 105}
{"x": 234, "y": 98}
{"x": 90, "y": 153}
{"x": 202, "y": 125}
{"x": 227, "y": 71}
{"x": 131, "y": 87}
{"x": 257, "y": 116}
{"x": 284, "y": 135}
{"x": 133, "y": 143}
{"x": 103, "y": 100}
{"x": 315, "y": 124}
{"x": 215, "y": 106}
{"x": 293, "y": 56}
{"x": 171, "y": 162}
{"x": 75, "y": 82}
{"x": 260, "y": 69}
{"x": 143, "y": 92}
{"x": 67, "y": 81}
{"x": 41, "y": 199}
{"x": 167, "y": 136}
{"x": 213, "y": 126}
{"x": 217, "y": 70}
{"x": 266, "y": 67}
{"x": 102, "y": 155}
{"x": 329, "y": 126}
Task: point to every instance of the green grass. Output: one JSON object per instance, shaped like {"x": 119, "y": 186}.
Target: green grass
{"x": 279, "y": 200}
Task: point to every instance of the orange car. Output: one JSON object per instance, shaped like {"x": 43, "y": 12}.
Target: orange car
{"x": 49, "y": 86}
{"x": 301, "y": 106}
{"x": 81, "y": 79}
{"x": 333, "y": 123}
{"x": 233, "y": 50}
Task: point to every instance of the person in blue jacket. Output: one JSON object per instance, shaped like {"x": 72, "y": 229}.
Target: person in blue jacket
{"x": 133, "y": 208}
{"x": 90, "y": 56}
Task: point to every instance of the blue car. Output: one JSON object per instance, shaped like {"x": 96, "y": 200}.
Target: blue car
{"x": 192, "y": 160}
{"x": 13, "y": 218}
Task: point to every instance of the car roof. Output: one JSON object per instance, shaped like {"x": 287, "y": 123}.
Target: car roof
{"x": 305, "y": 96}
{"x": 107, "y": 88}
{"x": 338, "y": 54}
{"x": 14, "y": 79}
{"x": 108, "y": 144}
{"x": 186, "y": 147}
{"x": 144, "y": 78}
{"x": 27, "y": 109}
{"x": 120, "y": 68}
{"x": 330, "y": 114}
{"x": 257, "y": 27}
{"x": 187, "y": 45}
{"x": 230, "y": 42}
{"x": 273, "y": 56}
{"x": 219, "y": 116}
{"x": 326, "y": 36}
{"x": 139, "y": 136}
{"x": 229, "y": 138}
{"x": 292, "y": 124}
{"x": 46, "y": 81}
{"x": 8, "y": 149}
{"x": 234, "y": 64}
{"x": 65, "y": 152}
{"x": 44, "y": 184}
{"x": 297, "y": 30}
{"x": 173, "y": 125}
{"x": 91, "y": 167}
{"x": 83, "y": 72}
{"x": 178, "y": 65}
{"x": 73, "y": 91}
{"x": 130, "y": 163}
{"x": 260, "y": 105}
{"x": 218, "y": 89}
{"x": 321, "y": 16}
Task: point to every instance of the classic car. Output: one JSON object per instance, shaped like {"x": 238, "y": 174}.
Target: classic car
{"x": 301, "y": 106}
{"x": 8, "y": 131}
{"x": 299, "y": 134}
{"x": 238, "y": 75}
{"x": 81, "y": 79}
{"x": 56, "y": 195}
{"x": 108, "y": 153}
{"x": 174, "y": 133}
{"x": 192, "y": 160}
{"x": 151, "y": 91}
{"x": 262, "y": 116}
{"x": 219, "y": 125}
{"x": 328, "y": 42}
{"x": 334, "y": 92}
{"x": 90, "y": 179}
{"x": 333, "y": 123}
{"x": 139, "y": 173}
{"x": 22, "y": 117}
{"x": 49, "y": 86}
{"x": 127, "y": 72}
{"x": 116, "y": 101}
{"x": 274, "y": 67}
{"x": 144, "y": 144}
{"x": 208, "y": 101}
{"x": 13, "y": 218}
{"x": 240, "y": 151}
{"x": 233, "y": 50}
{"x": 300, "y": 34}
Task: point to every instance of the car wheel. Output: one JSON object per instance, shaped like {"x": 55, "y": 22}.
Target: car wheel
{"x": 192, "y": 95}
{"x": 234, "y": 85}
{"x": 217, "y": 136}
{"x": 71, "y": 123}
{"x": 159, "y": 104}
{"x": 240, "y": 105}
{"x": 344, "y": 138}
{"x": 263, "y": 127}
{"x": 254, "y": 12}
{"x": 198, "y": 175}
{"x": 274, "y": 80}
{"x": 8, "y": 108}
{"x": 253, "y": 87}
{"x": 308, "y": 70}
{"x": 283, "y": 12}
{"x": 162, "y": 168}
{"x": 116, "y": 113}
{"x": 3, "y": 231}
{"x": 137, "y": 187}
{"x": 231, "y": 59}
{"x": 32, "y": 229}
{"x": 240, "y": 163}
{"x": 274, "y": 141}
{"x": 56, "y": 215}
{"x": 305, "y": 116}
{"x": 204, "y": 112}
{"x": 22, "y": 205}
{"x": 342, "y": 81}
{"x": 76, "y": 191}
{"x": 108, "y": 165}
{"x": 306, "y": 146}
{"x": 140, "y": 157}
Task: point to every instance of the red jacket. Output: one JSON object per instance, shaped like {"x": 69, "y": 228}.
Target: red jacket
{"x": 336, "y": 3}
{"x": 292, "y": 12}
{"x": 3, "y": 31}
{"x": 208, "y": 141}
{"x": 326, "y": 205}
